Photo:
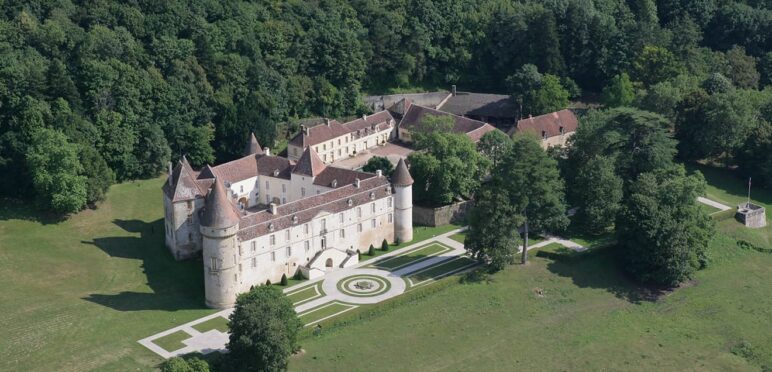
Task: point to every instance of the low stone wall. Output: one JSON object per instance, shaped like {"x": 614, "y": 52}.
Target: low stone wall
{"x": 453, "y": 213}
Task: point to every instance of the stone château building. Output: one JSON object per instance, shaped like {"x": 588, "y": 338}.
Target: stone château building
{"x": 260, "y": 217}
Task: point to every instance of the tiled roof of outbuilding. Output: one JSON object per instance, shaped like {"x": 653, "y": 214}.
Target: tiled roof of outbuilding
{"x": 473, "y": 128}
{"x": 550, "y": 123}
{"x": 480, "y": 104}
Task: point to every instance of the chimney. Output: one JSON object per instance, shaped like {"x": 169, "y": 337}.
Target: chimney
{"x": 266, "y": 151}
{"x": 170, "y": 173}
{"x": 453, "y": 90}
{"x": 356, "y": 182}
{"x": 327, "y": 122}
{"x": 379, "y": 173}
{"x": 304, "y": 129}
{"x": 273, "y": 208}
{"x": 364, "y": 117}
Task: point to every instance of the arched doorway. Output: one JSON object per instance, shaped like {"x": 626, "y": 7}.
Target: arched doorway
{"x": 328, "y": 263}
{"x": 243, "y": 203}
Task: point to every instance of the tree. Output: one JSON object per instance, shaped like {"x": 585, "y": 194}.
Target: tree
{"x": 533, "y": 187}
{"x": 619, "y": 92}
{"x": 755, "y": 157}
{"x": 523, "y": 83}
{"x": 493, "y": 236}
{"x": 264, "y": 329}
{"x": 655, "y": 64}
{"x": 385, "y": 245}
{"x": 550, "y": 97}
{"x": 494, "y": 145}
{"x": 283, "y": 280}
{"x": 597, "y": 192}
{"x": 729, "y": 118}
{"x": 717, "y": 83}
{"x": 178, "y": 364}
{"x": 379, "y": 163}
{"x": 661, "y": 232}
{"x": 765, "y": 70}
{"x": 56, "y": 172}
{"x": 371, "y": 251}
{"x": 741, "y": 68}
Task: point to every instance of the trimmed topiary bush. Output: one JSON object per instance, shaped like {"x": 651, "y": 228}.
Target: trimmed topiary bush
{"x": 284, "y": 279}
{"x": 385, "y": 246}
{"x": 268, "y": 282}
{"x": 371, "y": 251}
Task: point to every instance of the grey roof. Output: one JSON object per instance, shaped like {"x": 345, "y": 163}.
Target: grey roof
{"x": 401, "y": 176}
{"x": 480, "y": 104}
{"x": 252, "y": 146}
{"x": 309, "y": 163}
{"x": 218, "y": 210}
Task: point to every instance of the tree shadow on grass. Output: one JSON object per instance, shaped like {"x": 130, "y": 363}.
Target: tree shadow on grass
{"x": 15, "y": 209}
{"x": 174, "y": 285}
{"x": 598, "y": 268}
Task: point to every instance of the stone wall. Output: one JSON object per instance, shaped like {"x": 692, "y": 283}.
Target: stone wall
{"x": 453, "y": 213}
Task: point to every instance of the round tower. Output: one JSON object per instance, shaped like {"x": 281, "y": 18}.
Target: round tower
{"x": 403, "y": 203}
{"x": 219, "y": 225}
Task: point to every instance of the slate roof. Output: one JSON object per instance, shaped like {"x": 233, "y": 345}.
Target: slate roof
{"x": 341, "y": 177}
{"x": 218, "y": 210}
{"x": 253, "y": 147}
{"x": 472, "y": 128}
{"x": 309, "y": 163}
{"x": 401, "y": 176}
{"x": 548, "y": 123}
{"x": 480, "y": 104}
{"x": 326, "y": 131}
{"x": 183, "y": 185}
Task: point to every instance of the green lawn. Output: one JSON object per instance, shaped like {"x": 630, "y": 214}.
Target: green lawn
{"x": 172, "y": 342}
{"x": 441, "y": 269}
{"x": 219, "y": 323}
{"x": 324, "y": 311}
{"x": 578, "y": 314}
{"x": 459, "y": 237}
{"x": 78, "y": 294}
{"x": 707, "y": 208}
{"x": 410, "y": 257}
{"x": 307, "y": 293}
{"x": 421, "y": 233}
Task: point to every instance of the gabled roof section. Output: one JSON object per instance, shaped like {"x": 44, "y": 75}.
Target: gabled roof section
{"x": 480, "y": 104}
{"x": 332, "y": 129}
{"x": 401, "y": 176}
{"x": 206, "y": 173}
{"x": 252, "y": 146}
{"x": 218, "y": 211}
{"x": 309, "y": 163}
{"x": 549, "y": 124}
{"x": 416, "y": 113}
{"x": 335, "y": 177}
{"x": 183, "y": 184}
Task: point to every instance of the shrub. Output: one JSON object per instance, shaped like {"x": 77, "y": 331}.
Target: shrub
{"x": 178, "y": 364}
{"x": 284, "y": 279}
{"x": 385, "y": 246}
{"x": 371, "y": 251}
{"x": 268, "y": 282}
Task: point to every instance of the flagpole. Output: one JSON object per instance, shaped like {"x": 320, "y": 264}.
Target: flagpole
{"x": 749, "y": 194}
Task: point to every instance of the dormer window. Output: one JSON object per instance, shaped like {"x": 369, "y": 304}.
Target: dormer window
{"x": 334, "y": 183}
{"x": 544, "y": 134}
{"x": 294, "y": 220}
{"x": 270, "y": 227}
{"x": 372, "y": 195}
{"x": 561, "y": 130}
{"x": 350, "y": 202}
{"x": 276, "y": 173}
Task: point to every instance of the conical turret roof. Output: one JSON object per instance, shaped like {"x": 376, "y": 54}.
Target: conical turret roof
{"x": 401, "y": 176}
{"x": 309, "y": 163}
{"x": 252, "y": 146}
{"x": 218, "y": 210}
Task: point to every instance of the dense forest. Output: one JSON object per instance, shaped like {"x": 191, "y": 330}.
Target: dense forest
{"x": 98, "y": 91}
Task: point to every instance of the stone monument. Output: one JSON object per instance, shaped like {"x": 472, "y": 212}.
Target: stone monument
{"x": 752, "y": 215}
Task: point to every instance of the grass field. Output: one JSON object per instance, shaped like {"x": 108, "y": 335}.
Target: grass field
{"x": 413, "y": 256}
{"x": 172, "y": 342}
{"x": 306, "y": 294}
{"x": 219, "y": 323}
{"x": 441, "y": 269}
{"x": 579, "y": 314}
{"x": 314, "y": 315}
{"x": 77, "y": 295}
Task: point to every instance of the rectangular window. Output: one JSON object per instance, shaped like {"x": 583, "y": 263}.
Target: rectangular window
{"x": 324, "y": 223}
{"x": 305, "y": 228}
{"x": 342, "y": 233}
{"x": 254, "y": 261}
{"x": 283, "y": 188}
{"x": 190, "y": 219}
{"x": 388, "y": 202}
{"x": 190, "y": 204}
{"x": 302, "y": 191}
{"x": 289, "y": 251}
{"x": 372, "y": 207}
{"x": 307, "y": 246}
{"x": 272, "y": 238}
{"x": 241, "y": 188}
{"x": 287, "y": 235}
{"x": 254, "y": 247}
{"x": 359, "y": 211}
{"x": 391, "y": 218}
{"x": 372, "y": 222}
{"x": 266, "y": 185}
{"x": 273, "y": 256}
{"x": 239, "y": 267}
{"x": 213, "y": 263}
{"x": 241, "y": 252}
{"x": 340, "y": 217}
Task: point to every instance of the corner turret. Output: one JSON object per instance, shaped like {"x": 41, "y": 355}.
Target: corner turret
{"x": 403, "y": 203}
{"x": 219, "y": 226}
{"x": 253, "y": 147}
